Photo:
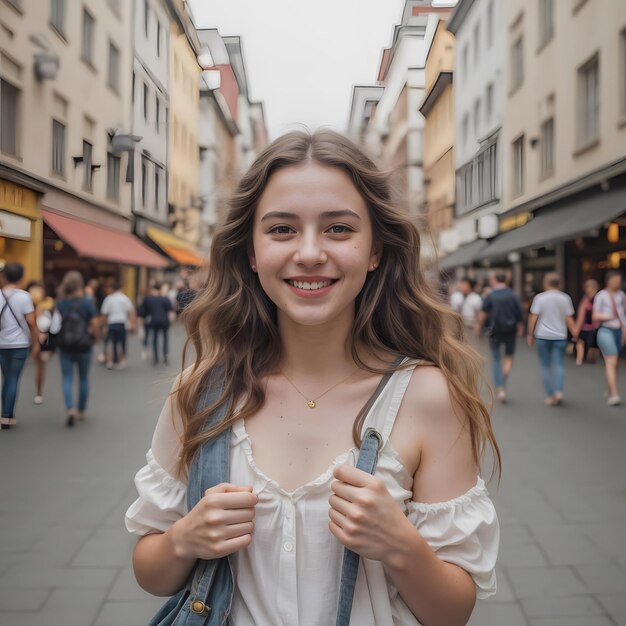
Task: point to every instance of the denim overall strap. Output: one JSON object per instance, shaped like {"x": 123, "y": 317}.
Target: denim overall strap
{"x": 368, "y": 457}
{"x": 211, "y": 588}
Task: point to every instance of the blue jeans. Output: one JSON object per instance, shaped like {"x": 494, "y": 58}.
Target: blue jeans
{"x": 12, "y": 363}
{"x": 551, "y": 356}
{"x": 117, "y": 336}
{"x": 83, "y": 361}
{"x": 156, "y": 330}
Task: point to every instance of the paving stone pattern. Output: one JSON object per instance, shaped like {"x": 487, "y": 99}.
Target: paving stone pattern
{"x": 65, "y": 555}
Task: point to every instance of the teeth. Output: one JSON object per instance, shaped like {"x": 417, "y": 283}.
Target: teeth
{"x": 310, "y": 286}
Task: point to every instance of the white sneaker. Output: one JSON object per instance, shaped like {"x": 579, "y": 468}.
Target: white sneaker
{"x": 501, "y": 395}
{"x": 102, "y": 357}
{"x": 38, "y": 400}
{"x": 614, "y": 401}
{"x": 144, "y": 354}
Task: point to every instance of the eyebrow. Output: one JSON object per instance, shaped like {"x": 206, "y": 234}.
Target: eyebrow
{"x": 285, "y": 215}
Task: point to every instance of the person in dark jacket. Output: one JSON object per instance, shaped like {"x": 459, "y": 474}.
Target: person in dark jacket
{"x": 156, "y": 308}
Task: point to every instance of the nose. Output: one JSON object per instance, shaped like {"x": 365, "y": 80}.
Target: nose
{"x": 310, "y": 251}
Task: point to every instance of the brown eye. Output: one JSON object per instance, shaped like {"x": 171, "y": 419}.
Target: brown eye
{"x": 339, "y": 229}
{"x": 281, "y": 230}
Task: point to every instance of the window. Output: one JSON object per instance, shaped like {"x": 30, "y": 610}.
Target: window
{"x": 113, "y": 177}
{"x": 589, "y": 101}
{"x": 9, "y": 118}
{"x": 58, "y": 147}
{"x": 145, "y": 102}
{"x": 518, "y": 166}
{"x": 146, "y": 17}
{"x": 476, "y": 181}
{"x": 465, "y": 130}
{"x": 144, "y": 181}
{"x": 87, "y": 162}
{"x": 490, "y": 24}
{"x": 465, "y": 61}
{"x": 157, "y": 187}
{"x": 623, "y": 72}
{"x": 489, "y": 103}
{"x": 57, "y": 15}
{"x": 476, "y": 43}
{"x": 547, "y": 148}
{"x": 477, "y": 118}
{"x": 517, "y": 64}
{"x": 546, "y": 21}
{"x": 157, "y": 114}
{"x": 114, "y": 68}
{"x": 158, "y": 39}
{"x": 89, "y": 26}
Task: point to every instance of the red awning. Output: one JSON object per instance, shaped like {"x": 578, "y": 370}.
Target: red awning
{"x": 102, "y": 243}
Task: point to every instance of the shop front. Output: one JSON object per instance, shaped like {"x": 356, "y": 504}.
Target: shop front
{"x": 21, "y": 228}
{"x": 97, "y": 251}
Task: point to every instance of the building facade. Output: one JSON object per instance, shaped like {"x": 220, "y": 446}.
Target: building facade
{"x": 66, "y": 106}
{"x": 438, "y": 111}
{"x": 564, "y": 142}
{"x": 479, "y": 27}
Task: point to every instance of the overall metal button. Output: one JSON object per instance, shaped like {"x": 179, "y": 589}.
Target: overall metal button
{"x": 197, "y": 606}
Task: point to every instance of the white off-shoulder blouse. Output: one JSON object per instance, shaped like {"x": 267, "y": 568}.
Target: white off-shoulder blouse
{"x": 289, "y": 575}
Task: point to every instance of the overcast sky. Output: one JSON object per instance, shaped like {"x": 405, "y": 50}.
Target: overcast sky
{"x": 302, "y": 58}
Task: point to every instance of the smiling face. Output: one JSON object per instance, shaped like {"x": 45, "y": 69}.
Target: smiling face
{"x": 312, "y": 243}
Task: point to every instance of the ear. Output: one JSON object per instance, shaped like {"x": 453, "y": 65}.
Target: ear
{"x": 375, "y": 257}
{"x": 252, "y": 260}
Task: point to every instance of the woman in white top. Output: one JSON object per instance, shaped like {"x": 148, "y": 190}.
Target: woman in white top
{"x": 315, "y": 289}
{"x": 609, "y": 308}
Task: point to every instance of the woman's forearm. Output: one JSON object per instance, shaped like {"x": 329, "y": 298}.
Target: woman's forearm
{"x": 436, "y": 592}
{"x": 159, "y": 568}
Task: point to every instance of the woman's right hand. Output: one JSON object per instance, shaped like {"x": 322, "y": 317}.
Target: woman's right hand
{"x": 220, "y": 524}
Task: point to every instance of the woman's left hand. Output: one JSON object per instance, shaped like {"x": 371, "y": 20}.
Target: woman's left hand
{"x": 364, "y": 516}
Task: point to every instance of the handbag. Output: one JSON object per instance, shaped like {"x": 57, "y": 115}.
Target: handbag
{"x": 193, "y": 605}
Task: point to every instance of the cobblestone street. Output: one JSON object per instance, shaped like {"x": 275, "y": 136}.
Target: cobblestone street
{"x": 65, "y": 555}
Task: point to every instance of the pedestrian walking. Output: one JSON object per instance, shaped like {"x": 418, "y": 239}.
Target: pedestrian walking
{"x": 467, "y": 303}
{"x": 156, "y": 308}
{"x": 18, "y": 337}
{"x": 44, "y": 309}
{"x": 551, "y": 316}
{"x": 119, "y": 313}
{"x": 501, "y": 319}
{"x": 586, "y": 328}
{"x": 76, "y": 322}
{"x": 609, "y": 309}
{"x": 316, "y": 310}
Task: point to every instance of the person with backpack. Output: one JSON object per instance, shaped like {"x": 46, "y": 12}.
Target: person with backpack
{"x": 609, "y": 310}
{"x": 501, "y": 318}
{"x": 551, "y": 316}
{"x": 331, "y": 420}
{"x": 18, "y": 336}
{"x": 75, "y": 322}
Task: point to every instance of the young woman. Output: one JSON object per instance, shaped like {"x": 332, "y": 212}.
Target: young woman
{"x": 609, "y": 309}
{"x": 315, "y": 291}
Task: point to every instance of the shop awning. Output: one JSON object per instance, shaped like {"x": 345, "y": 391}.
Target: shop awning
{"x": 179, "y": 250}
{"x": 463, "y": 256}
{"x": 568, "y": 222}
{"x": 105, "y": 244}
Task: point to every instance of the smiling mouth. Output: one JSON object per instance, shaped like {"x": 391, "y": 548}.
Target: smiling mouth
{"x": 311, "y": 286}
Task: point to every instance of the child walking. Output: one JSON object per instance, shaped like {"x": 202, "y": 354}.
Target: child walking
{"x": 316, "y": 304}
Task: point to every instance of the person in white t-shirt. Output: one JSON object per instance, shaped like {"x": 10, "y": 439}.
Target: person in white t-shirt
{"x": 551, "y": 316}
{"x": 609, "y": 308}
{"x": 120, "y": 314}
{"x": 468, "y": 303}
{"x": 18, "y": 336}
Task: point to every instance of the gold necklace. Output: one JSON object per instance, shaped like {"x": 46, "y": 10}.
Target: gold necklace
{"x": 313, "y": 402}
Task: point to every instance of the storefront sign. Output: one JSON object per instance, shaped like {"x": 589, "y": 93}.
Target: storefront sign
{"x": 514, "y": 221}
{"x": 14, "y": 226}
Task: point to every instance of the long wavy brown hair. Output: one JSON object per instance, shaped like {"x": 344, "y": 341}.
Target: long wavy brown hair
{"x": 232, "y": 322}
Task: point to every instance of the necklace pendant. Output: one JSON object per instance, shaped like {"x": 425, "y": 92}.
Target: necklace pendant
{"x": 312, "y": 404}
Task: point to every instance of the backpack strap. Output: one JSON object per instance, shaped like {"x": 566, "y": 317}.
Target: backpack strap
{"x": 8, "y": 304}
{"x": 367, "y": 461}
